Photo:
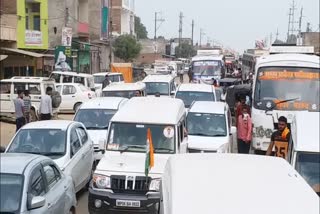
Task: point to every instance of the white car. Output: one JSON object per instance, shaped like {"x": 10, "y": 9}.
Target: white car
{"x": 34, "y": 184}
{"x": 209, "y": 126}
{"x": 66, "y": 142}
{"x": 73, "y": 77}
{"x": 162, "y": 84}
{"x": 96, "y": 115}
{"x": 190, "y": 93}
{"x": 73, "y": 95}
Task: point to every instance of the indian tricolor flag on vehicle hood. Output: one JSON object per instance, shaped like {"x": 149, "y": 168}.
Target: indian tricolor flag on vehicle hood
{"x": 149, "y": 153}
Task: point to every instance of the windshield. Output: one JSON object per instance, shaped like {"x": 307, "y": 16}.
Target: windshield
{"x": 11, "y": 186}
{"x": 203, "y": 124}
{"x": 157, "y": 87}
{"x": 188, "y": 97}
{"x": 285, "y": 83}
{"x": 95, "y": 118}
{"x": 206, "y": 68}
{"x": 133, "y": 137}
{"x": 124, "y": 94}
{"x": 47, "y": 142}
{"x": 308, "y": 165}
{"x": 99, "y": 79}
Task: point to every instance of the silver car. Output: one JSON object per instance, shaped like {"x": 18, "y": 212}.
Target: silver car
{"x": 34, "y": 184}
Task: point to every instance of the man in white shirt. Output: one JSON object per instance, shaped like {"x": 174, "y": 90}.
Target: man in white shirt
{"x": 19, "y": 110}
{"x": 45, "y": 109}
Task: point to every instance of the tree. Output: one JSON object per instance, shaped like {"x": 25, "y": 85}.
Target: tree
{"x": 126, "y": 47}
{"x": 185, "y": 50}
{"x": 141, "y": 30}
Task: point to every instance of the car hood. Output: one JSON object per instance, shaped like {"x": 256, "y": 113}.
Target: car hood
{"x": 130, "y": 162}
{"x": 97, "y": 135}
{"x": 206, "y": 143}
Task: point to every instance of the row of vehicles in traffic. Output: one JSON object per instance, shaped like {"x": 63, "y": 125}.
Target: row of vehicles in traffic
{"x": 113, "y": 131}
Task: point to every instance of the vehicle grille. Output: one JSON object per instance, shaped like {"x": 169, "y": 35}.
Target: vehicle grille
{"x": 130, "y": 184}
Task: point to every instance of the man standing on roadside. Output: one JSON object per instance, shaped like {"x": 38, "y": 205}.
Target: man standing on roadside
{"x": 45, "y": 109}
{"x": 19, "y": 110}
{"x": 27, "y": 105}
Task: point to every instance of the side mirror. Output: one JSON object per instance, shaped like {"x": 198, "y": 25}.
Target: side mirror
{"x": 223, "y": 98}
{"x": 2, "y": 149}
{"x": 172, "y": 93}
{"x": 102, "y": 145}
{"x": 37, "y": 202}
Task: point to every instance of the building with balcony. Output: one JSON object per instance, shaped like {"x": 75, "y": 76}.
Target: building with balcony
{"x": 24, "y": 37}
{"x": 122, "y": 15}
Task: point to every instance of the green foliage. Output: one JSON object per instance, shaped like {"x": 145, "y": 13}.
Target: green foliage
{"x": 126, "y": 47}
{"x": 141, "y": 30}
{"x": 185, "y": 50}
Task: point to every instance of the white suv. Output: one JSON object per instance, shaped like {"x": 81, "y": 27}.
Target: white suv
{"x": 210, "y": 128}
{"x": 37, "y": 87}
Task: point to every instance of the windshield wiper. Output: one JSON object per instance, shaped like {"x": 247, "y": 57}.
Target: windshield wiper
{"x": 126, "y": 148}
{"x": 218, "y": 135}
{"x": 200, "y": 134}
{"x": 283, "y": 101}
{"x": 98, "y": 127}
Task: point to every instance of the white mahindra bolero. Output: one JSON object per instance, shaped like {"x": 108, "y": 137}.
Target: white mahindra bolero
{"x": 119, "y": 181}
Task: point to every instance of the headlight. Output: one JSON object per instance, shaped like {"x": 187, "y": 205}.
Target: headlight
{"x": 155, "y": 185}
{"x": 101, "y": 181}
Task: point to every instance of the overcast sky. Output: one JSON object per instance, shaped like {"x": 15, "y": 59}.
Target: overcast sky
{"x": 234, "y": 23}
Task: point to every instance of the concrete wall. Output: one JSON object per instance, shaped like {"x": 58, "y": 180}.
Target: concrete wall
{"x": 312, "y": 39}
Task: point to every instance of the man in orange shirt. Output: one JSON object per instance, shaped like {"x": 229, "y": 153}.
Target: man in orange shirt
{"x": 280, "y": 140}
{"x": 244, "y": 127}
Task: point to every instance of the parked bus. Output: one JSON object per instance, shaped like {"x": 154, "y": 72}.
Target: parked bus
{"x": 283, "y": 84}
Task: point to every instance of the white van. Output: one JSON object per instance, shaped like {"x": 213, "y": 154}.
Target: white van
{"x": 126, "y": 90}
{"x": 190, "y": 93}
{"x": 162, "y": 84}
{"x": 210, "y": 129}
{"x": 305, "y": 154}
{"x": 96, "y": 115}
{"x": 120, "y": 182}
{"x": 230, "y": 183}
{"x": 73, "y": 77}
{"x": 37, "y": 87}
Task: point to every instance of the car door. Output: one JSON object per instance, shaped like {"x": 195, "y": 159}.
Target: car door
{"x": 76, "y": 166}
{"x": 68, "y": 97}
{"x": 86, "y": 151}
{"x": 6, "y": 97}
{"x": 56, "y": 188}
{"x": 37, "y": 187}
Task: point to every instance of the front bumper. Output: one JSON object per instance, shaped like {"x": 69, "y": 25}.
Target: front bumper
{"x": 149, "y": 203}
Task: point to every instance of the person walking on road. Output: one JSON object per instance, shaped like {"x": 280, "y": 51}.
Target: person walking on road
{"x": 19, "y": 110}
{"x": 46, "y": 105}
{"x": 27, "y": 105}
{"x": 241, "y": 106}
{"x": 280, "y": 140}
{"x": 244, "y": 128}
{"x": 105, "y": 82}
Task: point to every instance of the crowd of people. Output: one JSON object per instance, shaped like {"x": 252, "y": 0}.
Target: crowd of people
{"x": 26, "y": 113}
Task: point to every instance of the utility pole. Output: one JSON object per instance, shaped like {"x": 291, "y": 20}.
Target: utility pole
{"x": 308, "y": 27}
{"x": 277, "y": 34}
{"x": 156, "y": 20}
{"x": 192, "y": 32}
{"x": 180, "y": 27}
{"x": 300, "y": 21}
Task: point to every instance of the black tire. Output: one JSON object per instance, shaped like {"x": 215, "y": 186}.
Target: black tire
{"x": 76, "y": 106}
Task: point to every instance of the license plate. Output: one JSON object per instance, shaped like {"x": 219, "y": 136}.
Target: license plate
{"x": 125, "y": 203}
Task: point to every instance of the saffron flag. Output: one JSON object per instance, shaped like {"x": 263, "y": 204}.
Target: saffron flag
{"x": 149, "y": 153}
